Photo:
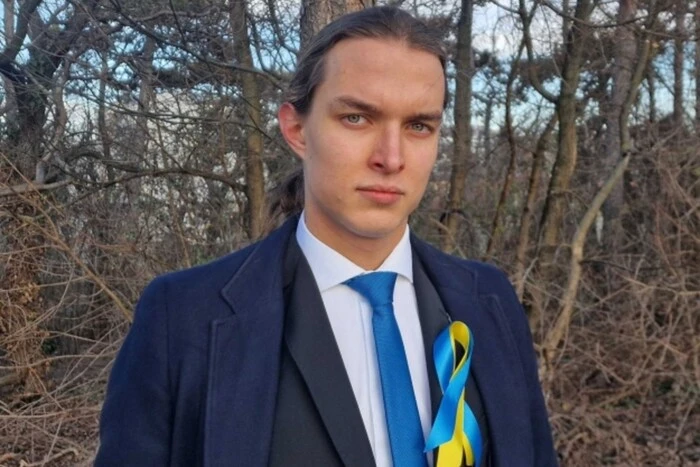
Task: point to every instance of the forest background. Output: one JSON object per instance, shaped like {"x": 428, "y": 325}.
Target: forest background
{"x": 139, "y": 137}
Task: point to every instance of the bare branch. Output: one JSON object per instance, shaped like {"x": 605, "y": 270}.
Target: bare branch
{"x": 561, "y": 326}
{"x": 13, "y": 47}
{"x": 30, "y": 187}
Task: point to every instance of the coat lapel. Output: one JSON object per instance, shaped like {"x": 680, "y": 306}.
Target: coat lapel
{"x": 244, "y": 354}
{"x": 309, "y": 338}
{"x": 495, "y": 362}
{"x": 433, "y": 319}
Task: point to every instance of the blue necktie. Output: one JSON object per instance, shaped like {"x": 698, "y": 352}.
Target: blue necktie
{"x": 403, "y": 422}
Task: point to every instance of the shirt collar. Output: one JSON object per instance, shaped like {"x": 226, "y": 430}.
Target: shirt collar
{"x": 330, "y": 268}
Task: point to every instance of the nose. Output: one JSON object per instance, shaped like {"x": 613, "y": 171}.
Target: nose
{"x": 388, "y": 155}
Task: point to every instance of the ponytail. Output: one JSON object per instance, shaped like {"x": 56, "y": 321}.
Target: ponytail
{"x": 285, "y": 201}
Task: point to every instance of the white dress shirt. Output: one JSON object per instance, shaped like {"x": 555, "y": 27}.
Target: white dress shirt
{"x": 350, "y": 316}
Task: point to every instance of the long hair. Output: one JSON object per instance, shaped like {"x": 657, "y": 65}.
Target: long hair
{"x": 384, "y": 22}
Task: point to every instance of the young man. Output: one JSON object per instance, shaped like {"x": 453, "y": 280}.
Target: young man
{"x": 284, "y": 353}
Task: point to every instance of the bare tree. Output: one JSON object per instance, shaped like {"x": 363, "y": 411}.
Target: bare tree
{"x": 315, "y": 14}
{"x": 696, "y": 68}
{"x": 462, "y": 132}
{"x": 679, "y": 40}
{"x": 567, "y": 152}
{"x": 630, "y": 56}
{"x": 255, "y": 182}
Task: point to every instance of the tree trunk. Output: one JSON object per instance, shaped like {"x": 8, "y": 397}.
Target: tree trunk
{"x": 496, "y": 226}
{"x": 146, "y": 100}
{"x": 696, "y": 71}
{"x": 9, "y": 31}
{"x": 315, "y": 14}
{"x": 146, "y": 93}
{"x": 105, "y": 136}
{"x": 565, "y": 20}
{"x": 462, "y": 134}
{"x": 538, "y": 159}
{"x": 565, "y": 163}
{"x": 624, "y": 56}
{"x": 679, "y": 61}
{"x": 254, "y": 173}
{"x": 488, "y": 118}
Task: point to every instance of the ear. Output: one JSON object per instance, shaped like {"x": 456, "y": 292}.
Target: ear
{"x": 292, "y": 128}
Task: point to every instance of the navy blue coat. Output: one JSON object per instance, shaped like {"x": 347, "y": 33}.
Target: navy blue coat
{"x": 195, "y": 382}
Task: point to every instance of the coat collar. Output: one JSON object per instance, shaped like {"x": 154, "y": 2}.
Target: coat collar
{"x": 433, "y": 319}
{"x": 264, "y": 267}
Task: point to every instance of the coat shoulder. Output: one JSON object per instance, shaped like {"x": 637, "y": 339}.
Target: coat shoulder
{"x": 490, "y": 278}
{"x": 212, "y": 274}
{"x": 487, "y": 278}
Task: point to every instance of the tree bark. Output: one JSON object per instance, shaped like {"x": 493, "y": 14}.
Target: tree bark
{"x": 9, "y": 31}
{"x": 105, "y": 137}
{"x": 254, "y": 172}
{"x": 315, "y": 14}
{"x": 651, "y": 84}
{"x": 538, "y": 159}
{"x": 565, "y": 21}
{"x": 488, "y": 118}
{"x": 462, "y": 133}
{"x": 565, "y": 163}
{"x": 624, "y": 57}
{"x": 496, "y": 225}
{"x": 679, "y": 61}
{"x": 696, "y": 71}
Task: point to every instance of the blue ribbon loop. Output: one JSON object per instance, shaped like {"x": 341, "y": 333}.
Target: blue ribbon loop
{"x": 453, "y": 375}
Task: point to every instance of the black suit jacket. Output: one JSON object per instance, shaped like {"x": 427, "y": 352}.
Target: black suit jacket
{"x": 317, "y": 420}
{"x": 196, "y": 380}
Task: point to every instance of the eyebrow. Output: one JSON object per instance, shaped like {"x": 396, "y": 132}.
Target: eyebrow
{"x": 366, "y": 107}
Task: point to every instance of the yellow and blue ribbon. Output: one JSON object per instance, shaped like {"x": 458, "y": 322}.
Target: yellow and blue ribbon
{"x": 455, "y": 432}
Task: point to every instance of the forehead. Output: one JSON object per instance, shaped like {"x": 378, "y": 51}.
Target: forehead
{"x": 387, "y": 72}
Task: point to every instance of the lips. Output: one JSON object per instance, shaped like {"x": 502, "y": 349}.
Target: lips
{"x": 382, "y": 189}
{"x": 384, "y": 195}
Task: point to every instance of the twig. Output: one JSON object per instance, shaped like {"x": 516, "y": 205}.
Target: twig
{"x": 46, "y": 460}
{"x": 30, "y": 186}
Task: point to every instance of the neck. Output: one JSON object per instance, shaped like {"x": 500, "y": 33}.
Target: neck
{"x": 367, "y": 252}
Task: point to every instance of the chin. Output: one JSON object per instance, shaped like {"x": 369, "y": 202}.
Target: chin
{"x": 377, "y": 230}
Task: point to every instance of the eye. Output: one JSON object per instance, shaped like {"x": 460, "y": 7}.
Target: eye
{"x": 420, "y": 127}
{"x": 354, "y": 119}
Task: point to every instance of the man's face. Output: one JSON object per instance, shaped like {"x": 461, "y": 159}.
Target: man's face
{"x": 370, "y": 139}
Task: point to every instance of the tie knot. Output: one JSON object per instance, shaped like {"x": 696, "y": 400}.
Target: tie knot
{"x": 376, "y": 287}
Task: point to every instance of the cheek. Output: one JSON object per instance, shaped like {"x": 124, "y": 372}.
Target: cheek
{"x": 331, "y": 159}
{"x": 328, "y": 172}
